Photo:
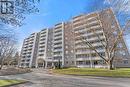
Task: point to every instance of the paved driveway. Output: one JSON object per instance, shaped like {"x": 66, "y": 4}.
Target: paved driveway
{"x": 40, "y": 78}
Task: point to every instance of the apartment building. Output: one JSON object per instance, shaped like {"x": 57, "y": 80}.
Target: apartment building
{"x": 63, "y": 43}
{"x": 63, "y": 47}
{"x": 93, "y": 27}
{"x": 49, "y": 52}
{"x": 122, "y": 55}
{"x": 42, "y": 45}
{"x": 29, "y": 51}
{"x": 58, "y": 44}
{"x": 45, "y": 48}
{"x": 69, "y": 54}
{"x": 84, "y": 24}
{"x": 37, "y": 49}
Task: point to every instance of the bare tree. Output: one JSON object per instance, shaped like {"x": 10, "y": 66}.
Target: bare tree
{"x": 7, "y": 48}
{"x": 12, "y": 60}
{"x": 113, "y": 41}
{"x": 8, "y": 60}
{"x": 16, "y": 59}
{"x": 121, "y": 9}
{"x": 13, "y": 11}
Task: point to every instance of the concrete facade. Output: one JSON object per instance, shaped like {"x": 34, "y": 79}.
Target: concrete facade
{"x": 29, "y": 51}
{"x": 61, "y": 44}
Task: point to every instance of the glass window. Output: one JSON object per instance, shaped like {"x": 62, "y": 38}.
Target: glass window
{"x": 125, "y": 61}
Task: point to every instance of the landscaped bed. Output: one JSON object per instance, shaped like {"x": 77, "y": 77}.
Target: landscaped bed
{"x": 5, "y": 83}
{"x": 122, "y": 72}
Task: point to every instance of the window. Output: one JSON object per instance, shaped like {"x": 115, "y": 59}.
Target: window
{"x": 66, "y": 62}
{"x": 57, "y": 48}
{"x": 58, "y": 57}
{"x": 87, "y": 62}
{"x": 28, "y": 60}
{"x": 80, "y": 62}
{"x": 122, "y": 52}
{"x": 57, "y": 39}
{"x": 41, "y": 50}
{"x": 29, "y": 56}
{"x": 41, "y": 54}
{"x": 22, "y": 64}
{"x": 23, "y": 60}
{"x": 95, "y": 62}
{"x": 125, "y": 61}
{"x": 24, "y": 56}
{"x": 58, "y": 43}
{"x": 93, "y": 55}
{"x": 102, "y": 54}
{"x": 27, "y": 64}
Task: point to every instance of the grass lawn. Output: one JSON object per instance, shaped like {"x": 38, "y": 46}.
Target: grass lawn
{"x": 10, "y": 82}
{"x": 122, "y": 72}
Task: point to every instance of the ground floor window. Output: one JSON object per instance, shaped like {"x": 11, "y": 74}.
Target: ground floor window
{"x": 125, "y": 61}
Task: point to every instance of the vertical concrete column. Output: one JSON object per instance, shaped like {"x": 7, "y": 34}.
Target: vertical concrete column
{"x": 46, "y": 64}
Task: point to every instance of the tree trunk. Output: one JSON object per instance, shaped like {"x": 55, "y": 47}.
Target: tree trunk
{"x": 110, "y": 65}
{"x": 59, "y": 65}
{"x": 1, "y": 65}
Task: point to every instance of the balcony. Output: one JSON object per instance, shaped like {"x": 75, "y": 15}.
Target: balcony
{"x": 58, "y": 50}
{"x": 82, "y": 59}
{"x": 78, "y": 41}
{"x": 42, "y": 39}
{"x": 96, "y": 38}
{"x": 58, "y": 32}
{"x": 59, "y": 45}
{"x": 42, "y": 36}
{"x": 30, "y": 49}
{"x": 58, "y": 24}
{"x": 78, "y": 22}
{"x": 43, "y": 33}
{"x": 95, "y": 27}
{"x": 41, "y": 50}
{"x": 42, "y": 42}
{"x": 57, "y": 28}
{"x": 93, "y": 22}
{"x": 91, "y": 18}
{"x": 41, "y": 47}
{"x": 55, "y": 55}
{"x": 82, "y": 46}
{"x": 79, "y": 17}
{"x": 57, "y": 38}
{"x": 40, "y": 54}
{"x": 57, "y": 41}
{"x": 58, "y": 35}
{"x": 83, "y": 52}
{"x": 91, "y": 33}
{"x": 98, "y": 44}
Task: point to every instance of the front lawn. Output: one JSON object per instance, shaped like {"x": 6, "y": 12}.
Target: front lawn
{"x": 122, "y": 72}
{"x": 10, "y": 82}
